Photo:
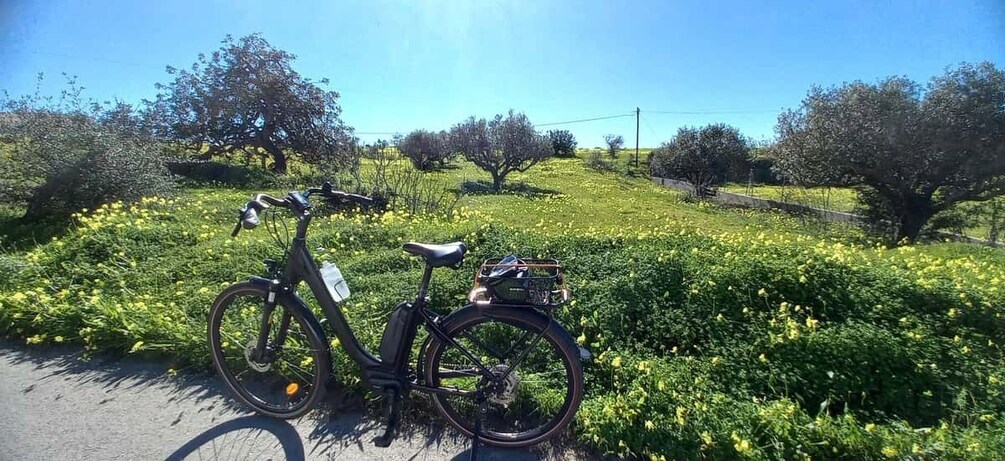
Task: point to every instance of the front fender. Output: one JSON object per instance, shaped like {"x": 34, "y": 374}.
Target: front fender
{"x": 294, "y": 302}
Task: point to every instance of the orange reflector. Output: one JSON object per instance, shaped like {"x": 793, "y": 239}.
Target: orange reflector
{"x": 292, "y": 388}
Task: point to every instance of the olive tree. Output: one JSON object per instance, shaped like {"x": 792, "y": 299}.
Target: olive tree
{"x": 246, "y": 98}
{"x": 500, "y": 146}
{"x": 910, "y": 151}
{"x": 563, "y": 143}
{"x": 62, "y": 155}
{"x": 614, "y": 144}
{"x": 426, "y": 149}
{"x": 704, "y": 156}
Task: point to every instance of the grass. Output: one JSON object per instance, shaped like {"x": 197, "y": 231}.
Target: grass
{"x": 833, "y": 346}
{"x": 828, "y": 198}
{"x": 567, "y": 195}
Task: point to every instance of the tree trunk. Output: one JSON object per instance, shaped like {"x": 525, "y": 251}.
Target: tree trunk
{"x": 39, "y": 199}
{"x": 913, "y": 219}
{"x": 497, "y": 181}
{"x": 277, "y": 155}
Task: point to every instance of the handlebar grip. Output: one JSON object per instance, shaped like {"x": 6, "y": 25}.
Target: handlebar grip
{"x": 237, "y": 229}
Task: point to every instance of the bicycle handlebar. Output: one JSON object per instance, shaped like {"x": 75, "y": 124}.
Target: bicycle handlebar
{"x": 359, "y": 199}
{"x": 248, "y": 214}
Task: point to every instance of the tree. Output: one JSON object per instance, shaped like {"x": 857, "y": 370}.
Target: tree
{"x": 246, "y": 98}
{"x": 65, "y": 155}
{"x": 614, "y": 143}
{"x": 500, "y": 146}
{"x": 703, "y": 156}
{"x": 563, "y": 143}
{"x": 426, "y": 149}
{"x": 911, "y": 153}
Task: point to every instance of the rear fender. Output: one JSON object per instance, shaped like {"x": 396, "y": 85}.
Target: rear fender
{"x": 507, "y": 312}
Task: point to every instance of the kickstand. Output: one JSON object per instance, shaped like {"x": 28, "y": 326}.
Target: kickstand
{"x": 479, "y": 414}
{"x": 391, "y": 399}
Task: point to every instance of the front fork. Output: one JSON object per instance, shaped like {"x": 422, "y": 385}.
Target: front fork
{"x": 263, "y": 333}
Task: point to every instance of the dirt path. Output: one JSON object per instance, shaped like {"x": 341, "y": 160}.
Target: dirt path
{"x": 56, "y": 406}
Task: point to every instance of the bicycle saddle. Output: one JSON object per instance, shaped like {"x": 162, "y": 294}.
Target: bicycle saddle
{"x": 448, "y": 254}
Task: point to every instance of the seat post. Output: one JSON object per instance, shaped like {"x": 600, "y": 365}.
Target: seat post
{"x": 424, "y": 286}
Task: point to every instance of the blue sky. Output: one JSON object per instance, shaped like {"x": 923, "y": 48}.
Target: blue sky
{"x": 429, "y": 64}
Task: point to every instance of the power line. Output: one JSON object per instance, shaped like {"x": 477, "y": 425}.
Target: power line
{"x": 377, "y": 133}
{"x": 649, "y": 127}
{"x": 710, "y": 112}
{"x": 632, "y": 114}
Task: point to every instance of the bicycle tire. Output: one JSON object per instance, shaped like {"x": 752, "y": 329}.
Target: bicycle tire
{"x": 305, "y": 320}
{"x": 557, "y": 339}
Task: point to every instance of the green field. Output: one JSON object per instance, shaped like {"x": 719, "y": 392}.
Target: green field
{"x": 718, "y": 333}
{"x": 827, "y": 198}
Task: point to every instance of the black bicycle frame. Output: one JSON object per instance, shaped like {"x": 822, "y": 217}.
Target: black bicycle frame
{"x": 375, "y": 372}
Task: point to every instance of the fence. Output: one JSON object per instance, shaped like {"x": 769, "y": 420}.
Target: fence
{"x": 733, "y": 199}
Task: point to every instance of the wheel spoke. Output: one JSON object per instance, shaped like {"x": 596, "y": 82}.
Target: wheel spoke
{"x": 529, "y": 393}
{"x": 288, "y": 376}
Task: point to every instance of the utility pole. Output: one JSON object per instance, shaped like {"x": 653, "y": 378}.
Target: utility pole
{"x": 637, "y": 112}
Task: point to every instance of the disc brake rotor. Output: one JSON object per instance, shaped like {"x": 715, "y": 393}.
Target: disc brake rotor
{"x": 506, "y": 391}
{"x": 249, "y": 350}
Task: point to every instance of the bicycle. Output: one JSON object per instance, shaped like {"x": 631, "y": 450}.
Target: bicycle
{"x": 503, "y": 375}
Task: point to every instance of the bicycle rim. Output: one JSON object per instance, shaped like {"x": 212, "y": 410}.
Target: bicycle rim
{"x": 290, "y": 376}
{"x": 533, "y": 402}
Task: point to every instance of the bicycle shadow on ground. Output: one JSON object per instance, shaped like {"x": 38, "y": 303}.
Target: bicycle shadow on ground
{"x": 246, "y": 437}
{"x": 111, "y": 372}
{"x": 341, "y": 429}
{"x": 344, "y": 427}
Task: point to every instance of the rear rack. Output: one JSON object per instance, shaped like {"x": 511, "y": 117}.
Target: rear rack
{"x": 540, "y": 283}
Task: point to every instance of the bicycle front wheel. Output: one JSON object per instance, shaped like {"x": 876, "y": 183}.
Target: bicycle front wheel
{"x": 287, "y": 377}
{"x": 537, "y": 376}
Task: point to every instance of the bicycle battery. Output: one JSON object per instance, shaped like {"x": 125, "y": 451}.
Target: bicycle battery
{"x": 398, "y": 336}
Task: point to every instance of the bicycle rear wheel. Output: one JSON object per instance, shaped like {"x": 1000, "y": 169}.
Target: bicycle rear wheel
{"x": 539, "y": 375}
{"x": 289, "y": 377}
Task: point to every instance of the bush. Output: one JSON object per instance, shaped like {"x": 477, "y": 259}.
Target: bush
{"x": 63, "y": 157}
{"x": 717, "y": 346}
{"x": 426, "y": 149}
{"x": 563, "y": 143}
{"x": 704, "y": 157}
{"x": 377, "y": 175}
{"x": 595, "y": 162}
{"x": 218, "y": 173}
{"x": 614, "y": 144}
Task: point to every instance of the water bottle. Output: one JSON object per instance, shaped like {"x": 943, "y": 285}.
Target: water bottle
{"x": 336, "y": 284}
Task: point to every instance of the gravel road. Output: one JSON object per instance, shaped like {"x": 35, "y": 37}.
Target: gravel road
{"x": 57, "y": 406}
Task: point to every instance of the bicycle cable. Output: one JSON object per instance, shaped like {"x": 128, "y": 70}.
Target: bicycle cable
{"x": 273, "y": 228}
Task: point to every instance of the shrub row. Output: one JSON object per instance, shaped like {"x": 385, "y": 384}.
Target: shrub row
{"x": 706, "y": 345}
